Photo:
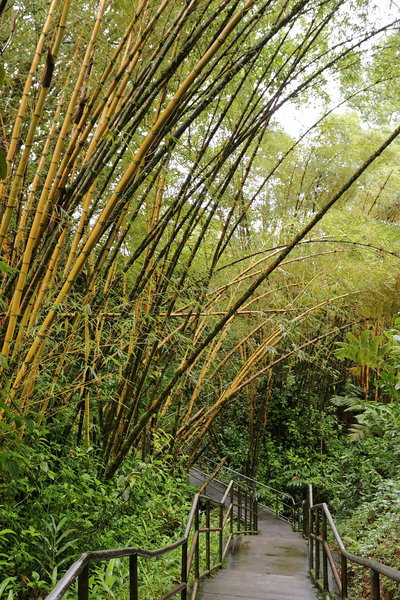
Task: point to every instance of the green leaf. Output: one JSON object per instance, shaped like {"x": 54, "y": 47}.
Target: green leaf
{"x": 12, "y": 467}
{"x": 4, "y": 584}
{"x": 2, "y": 74}
{"x": 3, "y": 532}
{"x": 6, "y": 269}
{"x": 3, "y": 361}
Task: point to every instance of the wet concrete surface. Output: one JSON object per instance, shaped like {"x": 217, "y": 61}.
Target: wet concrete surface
{"x": 268, "y": 566}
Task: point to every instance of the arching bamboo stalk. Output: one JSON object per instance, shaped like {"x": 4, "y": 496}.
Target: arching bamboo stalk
{"x": 26, "y": 92}
{"x": 12, "y": 197}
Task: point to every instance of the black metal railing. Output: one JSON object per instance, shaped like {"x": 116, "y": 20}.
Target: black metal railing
{"x": 236, "y": 512}
{"x": 328, "y": 563}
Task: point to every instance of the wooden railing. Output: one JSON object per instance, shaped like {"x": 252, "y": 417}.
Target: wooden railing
{"x": 277, "y": 501}
{"x": 325, "y": 556}
{"x": 236, "y": 513}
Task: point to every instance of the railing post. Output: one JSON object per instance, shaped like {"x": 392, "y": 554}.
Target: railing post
{"x": 306, "y": 514}
{"x": 197, "y": 548}
{"x": 375, "y": 591}
{"x": 310, "y": 540}
{"x": 208, "y": 561}
{"x": 276, "y": 505}
{"x": 310, "y": 502}
{"x": 310, "y": 528}
{"x": 324, "y": 554}
{"x": 133, "y": 577}
{"x": 83, "y": 584}
{"x": 184, "y": 573}
{"x": 246, "y": 495}
{"x": 221, "y": 533}
{"x": 232, "y": 510}
{"x": 317, "y": 545}
{"x": 239, "y": 507}
{"x": 256, "y": 515}
{"x": 343, "y": 576}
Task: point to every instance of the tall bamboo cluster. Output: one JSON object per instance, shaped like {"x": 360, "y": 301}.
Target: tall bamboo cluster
{"x": 133, "y": 159}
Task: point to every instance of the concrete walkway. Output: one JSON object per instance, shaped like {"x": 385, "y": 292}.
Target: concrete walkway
{"x": 269, "y": 566}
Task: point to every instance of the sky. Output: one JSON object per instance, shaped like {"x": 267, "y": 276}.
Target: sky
{"x": 296, "y": 119}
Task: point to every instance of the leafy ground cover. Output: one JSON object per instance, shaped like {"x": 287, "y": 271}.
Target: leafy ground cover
{"x": 52, "y": 510}
{"x": 373, "y": 531}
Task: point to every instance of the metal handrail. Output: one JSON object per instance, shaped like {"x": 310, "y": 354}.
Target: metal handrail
{"x": 99, "y": 555}
{"x": 293, "y": 507}
{"x": 236, "y": 499}
{"x": 319, "y": 519}
{"x": 255, "y": 482}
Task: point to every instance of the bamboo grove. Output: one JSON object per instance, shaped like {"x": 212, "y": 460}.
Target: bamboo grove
{"x": 138, "y": 147}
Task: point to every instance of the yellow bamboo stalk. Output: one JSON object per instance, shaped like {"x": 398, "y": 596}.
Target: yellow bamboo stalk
{"x": 114, "y": 101}
{"x": 43, "y": 159}
{"x": 215, "y": 348}
{"x": 83, "y": 129}
{"x": 18, "y": 178}
{"x": 48, "y": 277}
{"x": 28, "y": 84}
{"x": 107, "y": 212}
{"x": 31, "y": 311}
{"x": 29, "y": 383}
{"x": 46, "y": 196}
{"x": 239, "y": 381}
{"x": 81, "y": 227}
{"x": 38, "y": 175}
{"x": 259, "y": 326}
{"x": 34, "y": 235}
{"x": 12, "y": 197}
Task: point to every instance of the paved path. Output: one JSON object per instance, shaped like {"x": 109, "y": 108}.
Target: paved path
{"x": 269, "y": 566}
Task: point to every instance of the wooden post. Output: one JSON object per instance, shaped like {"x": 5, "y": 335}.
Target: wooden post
{"x": 197, "y": 549}
{"x": 317, "y": 546}
{"x": 232, "y": 511}
{"x": 343, "y": 576}
{"x": 208, "y": 558}
{"x": 221, "y": 533}
{"x": 133, "y": 577}
{"x": 325, "y": 580}
{"x": 239, "y": 507}
{"x": 310, "y": 541}
{"x": 83, "y": 584}
{"x": 375, "y": 591}
{"x": 184, "y": 573}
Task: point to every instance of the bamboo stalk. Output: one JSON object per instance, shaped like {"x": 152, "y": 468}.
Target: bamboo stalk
{"x": 35, "y": 233}
{"x": 27, "y": 87}
{"x": 12, "y": 197}
{"x": 112, "y": 203}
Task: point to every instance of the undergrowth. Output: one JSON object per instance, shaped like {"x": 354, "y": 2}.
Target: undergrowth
{"x": 54, "y": 506}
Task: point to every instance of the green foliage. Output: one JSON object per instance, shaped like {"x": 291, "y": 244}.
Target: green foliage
{"x": 372, "y": 530}
{"x": 365, "y": 350}
{"x": 373, "y": 418}
{"x": 59, "y": 509}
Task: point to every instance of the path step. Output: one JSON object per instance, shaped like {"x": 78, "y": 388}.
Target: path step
{"x": 268, "y": 566}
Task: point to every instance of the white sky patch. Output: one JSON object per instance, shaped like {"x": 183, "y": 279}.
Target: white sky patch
{"x": 295, "y": 118}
